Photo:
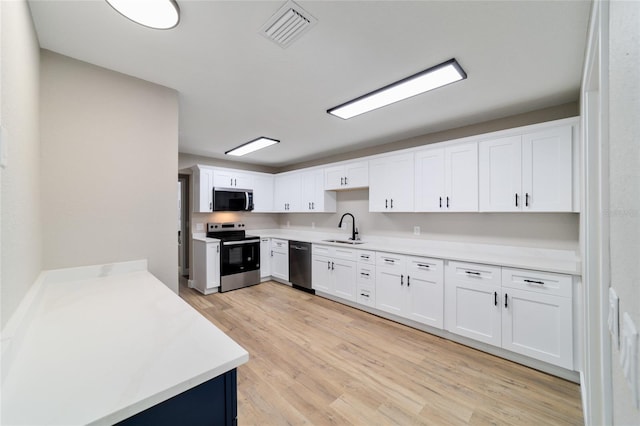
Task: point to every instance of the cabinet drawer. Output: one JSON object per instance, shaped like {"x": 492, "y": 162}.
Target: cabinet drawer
{"x": 365, "y": 256}
{"x": 424, "y": 267}
{"x": 321, "y": 250}
{"x": 390, "y": 260}
{"x": 345, "y": 253}
{"x": 366, "y": 296}
{"x": 536, "y": 281}
{"x": 366, "y": 275}
{"x": 474, "y": 273}
{"x": 279, "y": 245}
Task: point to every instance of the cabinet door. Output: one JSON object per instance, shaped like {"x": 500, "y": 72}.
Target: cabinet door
{"x": 429, "y": 180}
{"x": 334, "y": 178}
{"x": 472, "y": 301}
{"x": 538, "y": 325}
{"x": 288, "y": 192}
{"x": 500, "y": 174}
{"x": 461, "y": 177}
{"x": 390, "y": 283}
{"x": 344, "y": 278}
{"x": 357, "y": 174}
{"x": 425, "y": 282}
{"x": 262, "y": 193}
{"x": 265, "y": 257}
{"x": 547, "y": 170}
{"x": 232, "y": 179}
{"x": 314, "y": 198}
{"x": 213, "y": 265}
{"x": 280, "y": 263}
{"x": 309, "y": 193}
{"x": 321, "y": 276}
{"x": 205, "y": 190}
{"x": 391, "y": 183}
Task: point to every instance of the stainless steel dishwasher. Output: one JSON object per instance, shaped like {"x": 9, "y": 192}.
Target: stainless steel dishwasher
{"x": 300, "y": 265}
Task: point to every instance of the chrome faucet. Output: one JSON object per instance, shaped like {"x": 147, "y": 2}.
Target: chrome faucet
{"x": 354, "y": 230}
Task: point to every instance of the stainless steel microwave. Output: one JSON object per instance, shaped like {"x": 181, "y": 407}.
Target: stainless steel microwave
{"x": 232, "y": 200}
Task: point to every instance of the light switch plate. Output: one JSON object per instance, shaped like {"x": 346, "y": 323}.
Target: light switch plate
{"x": 613, "y": 319}
{"x": 629, "y": 356}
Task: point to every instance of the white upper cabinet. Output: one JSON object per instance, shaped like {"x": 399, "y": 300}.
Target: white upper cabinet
{"x": 262, "y": 192}
{"x": 547, "y": 170}
{"x": 314, "y": 197}
{"x": 287, "y": 193}
{"x": 446, "y": 179}
{"x": 391, "y": 183}
{"x": 203, "y": 189}
{"x": 223, "y": 178}
{"x": 347, "y": 176}
{"x": 501, "y": 174}
{"x": 531, "y": 172}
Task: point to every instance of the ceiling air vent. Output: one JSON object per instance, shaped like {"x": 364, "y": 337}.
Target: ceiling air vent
{"x": 288, "y": 24}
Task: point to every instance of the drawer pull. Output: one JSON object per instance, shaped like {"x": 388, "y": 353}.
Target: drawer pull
{"x": 364, "y": 256}
{"x": 473, "y": 273}
{"x": 364, "y": 273}
{"x": 422, "y": 265}
{"x": 534, "y": 282}
{"x": 364, "y": 294}
{"x": 495, "y": 298}
{"x": 390, "y": 260}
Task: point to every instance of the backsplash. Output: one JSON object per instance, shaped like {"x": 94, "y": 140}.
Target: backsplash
{"x": 546, "y": 230}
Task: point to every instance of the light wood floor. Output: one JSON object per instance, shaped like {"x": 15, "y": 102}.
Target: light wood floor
{"x": 314, "y": 361}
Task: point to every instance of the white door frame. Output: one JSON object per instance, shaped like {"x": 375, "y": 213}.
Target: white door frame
{"x": 594, "y": 221}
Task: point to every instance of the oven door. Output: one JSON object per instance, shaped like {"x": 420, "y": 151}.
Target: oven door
{"x": 239, "y": 256}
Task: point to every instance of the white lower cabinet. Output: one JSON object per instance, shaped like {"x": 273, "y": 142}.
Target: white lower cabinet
{"x": 537, "y": 315}
{"x": 411, "y": 287}
{"x": 527, "y": 312}
{"x": 333, "y": 271}
{"x": 472, "y": 301}
{"x": 206, "y": 266}
{"x": 280, "y": 259}
{"x": 265, "y": 258}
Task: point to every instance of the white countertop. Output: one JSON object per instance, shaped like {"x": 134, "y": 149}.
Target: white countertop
{"x": 103, "y": 343}
{"x": 541, "y": 259}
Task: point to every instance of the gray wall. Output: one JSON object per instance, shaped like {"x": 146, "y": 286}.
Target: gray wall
{"x": 109, "y": 168}
{"x": 20, "y": 233}
{"x": 624, "y": 170}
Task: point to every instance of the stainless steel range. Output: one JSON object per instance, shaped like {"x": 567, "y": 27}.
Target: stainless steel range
{"x": 239, "y": 255}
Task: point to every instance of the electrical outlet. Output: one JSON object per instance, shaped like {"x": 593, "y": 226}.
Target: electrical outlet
{"x": 199, "y": 226}
{"x": 416, "y": 230}
{"x": 629, "y": 356}
{"x": 613, "y": 320}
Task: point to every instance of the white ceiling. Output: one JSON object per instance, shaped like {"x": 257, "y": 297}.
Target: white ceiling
{"x": 236, "y": 85}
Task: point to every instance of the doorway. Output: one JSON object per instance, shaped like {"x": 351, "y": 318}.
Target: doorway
{"x": 184, "y": 227}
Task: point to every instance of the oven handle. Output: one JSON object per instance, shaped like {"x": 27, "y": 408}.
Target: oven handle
{"x": 234, "y": 243}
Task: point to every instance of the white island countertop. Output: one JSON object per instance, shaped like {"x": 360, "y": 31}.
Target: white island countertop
{"x": 103, "y": 343}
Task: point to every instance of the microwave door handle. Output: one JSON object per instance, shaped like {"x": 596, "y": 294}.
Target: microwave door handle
{"x": 246, "y": 198}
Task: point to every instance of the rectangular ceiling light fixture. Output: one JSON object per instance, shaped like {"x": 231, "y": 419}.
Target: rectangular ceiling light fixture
{"x": 440, "y": 75}
{"x": 251, "y": 146}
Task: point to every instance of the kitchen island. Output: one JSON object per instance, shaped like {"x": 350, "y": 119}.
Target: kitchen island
{"x": 103, "y": 344}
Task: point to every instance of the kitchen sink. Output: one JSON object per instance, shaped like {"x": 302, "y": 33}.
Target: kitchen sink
{"x": 353, "y": 243}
